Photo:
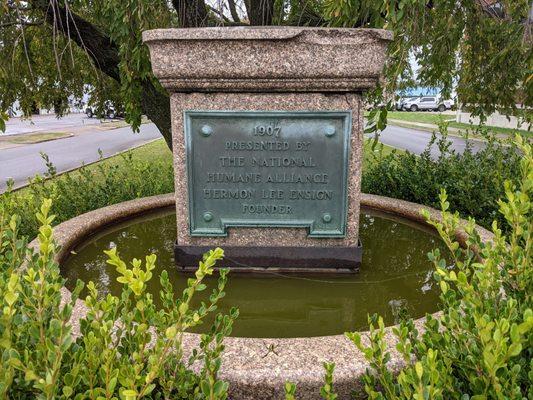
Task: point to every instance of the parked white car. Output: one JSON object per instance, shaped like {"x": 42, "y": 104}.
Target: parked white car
{"x": 427, "y": 103}
{"x": 401, "y": 101}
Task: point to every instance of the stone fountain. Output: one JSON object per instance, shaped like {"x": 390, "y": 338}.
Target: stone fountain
{"x": 267, "y": 126}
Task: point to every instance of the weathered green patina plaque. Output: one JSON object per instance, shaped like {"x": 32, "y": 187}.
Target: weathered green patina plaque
{"x": 267, "y": 169}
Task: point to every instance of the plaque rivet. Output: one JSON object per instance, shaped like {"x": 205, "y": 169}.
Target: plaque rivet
{"x": 326, "y": 217}
{"x": 208, "y": 216}
{"x": 206, "y": 130}
{"x": 330, "y": 130}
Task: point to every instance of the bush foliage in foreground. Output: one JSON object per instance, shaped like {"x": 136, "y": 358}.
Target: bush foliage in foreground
{"x": 481, "y": 345}
{"x": 138, "y": 357}
{"x": 88, "y": 188}
{"x": 474, "y": 181}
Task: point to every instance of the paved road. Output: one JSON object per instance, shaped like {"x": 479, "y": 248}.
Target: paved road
{"x": 22, "y": 162}
{"x": 49, "y": 123}
{"x": 416, "y": 141}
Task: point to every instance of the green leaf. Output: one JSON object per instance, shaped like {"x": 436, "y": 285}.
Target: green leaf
{"x": 10, "y": 298}
{"x": 183, "y": 307}
{"x": 206, "y": 389}
{"x": 171, "y": 332}
{"x": 443, "y": 287}
{"x": 419, "y": 369}
{"x": 514, "y": 349}
{"x": 112, "y": 384}
{"x": 67, "y": 391}
{"x": 219, "y": 388}
{"x": 129, "y": 394}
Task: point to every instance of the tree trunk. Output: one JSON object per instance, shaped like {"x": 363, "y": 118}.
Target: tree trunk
{"x": 191, "y": 13}
{"x": 156, "y": 106}
{"x": 260, "y": 12}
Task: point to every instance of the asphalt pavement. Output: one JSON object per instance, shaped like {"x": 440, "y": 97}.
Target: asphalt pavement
{"x": 49, "y": 123}
{"x": 22, "y": 162}
{"x": 416, "y": 141}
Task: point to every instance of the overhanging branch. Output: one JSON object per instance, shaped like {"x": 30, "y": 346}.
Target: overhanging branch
{"x": 105, "y": 55}
{"x": 98, "y": 46}
{"x": 233, "y": 10}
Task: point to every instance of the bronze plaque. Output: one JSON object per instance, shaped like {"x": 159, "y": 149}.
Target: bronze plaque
{"x": 267, "y": 169}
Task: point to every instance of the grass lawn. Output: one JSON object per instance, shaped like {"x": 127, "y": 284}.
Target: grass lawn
{"x": 155, "y": 152}
{"x": 495, "y": 129}
{"x": 120, "y": 123}
{"x": 424, "y": 117}
{"x": 36, "y": 137}
{"x": 368, "y": 154}
{"x": 434, "y": 118}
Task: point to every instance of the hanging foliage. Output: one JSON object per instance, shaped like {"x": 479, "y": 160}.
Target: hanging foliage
{"x": 53, "y": 50}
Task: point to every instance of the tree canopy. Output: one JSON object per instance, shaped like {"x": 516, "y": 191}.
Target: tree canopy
{"x": 53, "y": 49}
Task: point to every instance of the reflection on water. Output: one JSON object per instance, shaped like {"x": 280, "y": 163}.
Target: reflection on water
{"x": 395, "y": 277}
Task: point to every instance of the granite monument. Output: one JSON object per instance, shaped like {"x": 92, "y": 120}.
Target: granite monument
{"x": 267, "y": 127}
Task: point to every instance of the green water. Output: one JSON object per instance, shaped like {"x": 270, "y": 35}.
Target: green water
{"x": 395, "y": 274}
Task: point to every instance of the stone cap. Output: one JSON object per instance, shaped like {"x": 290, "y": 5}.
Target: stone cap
{"x": 254, "y": 33}
{"x": 267, "y": 59}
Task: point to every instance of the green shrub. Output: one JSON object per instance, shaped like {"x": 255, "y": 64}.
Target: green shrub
{"x": 473, "y": 181}
{"x": 481, "y": 346}
{"x": 90, "y": 187}
{"x": 128, "y": 348}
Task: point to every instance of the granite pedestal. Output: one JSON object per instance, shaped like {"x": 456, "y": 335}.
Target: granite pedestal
{"x": 267, "y": 70}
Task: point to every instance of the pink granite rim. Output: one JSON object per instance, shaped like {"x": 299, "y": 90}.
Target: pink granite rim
{"x": 257, "y": 33}
{"x": 247, "y": 365}
{"x": 70, "y": 233}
